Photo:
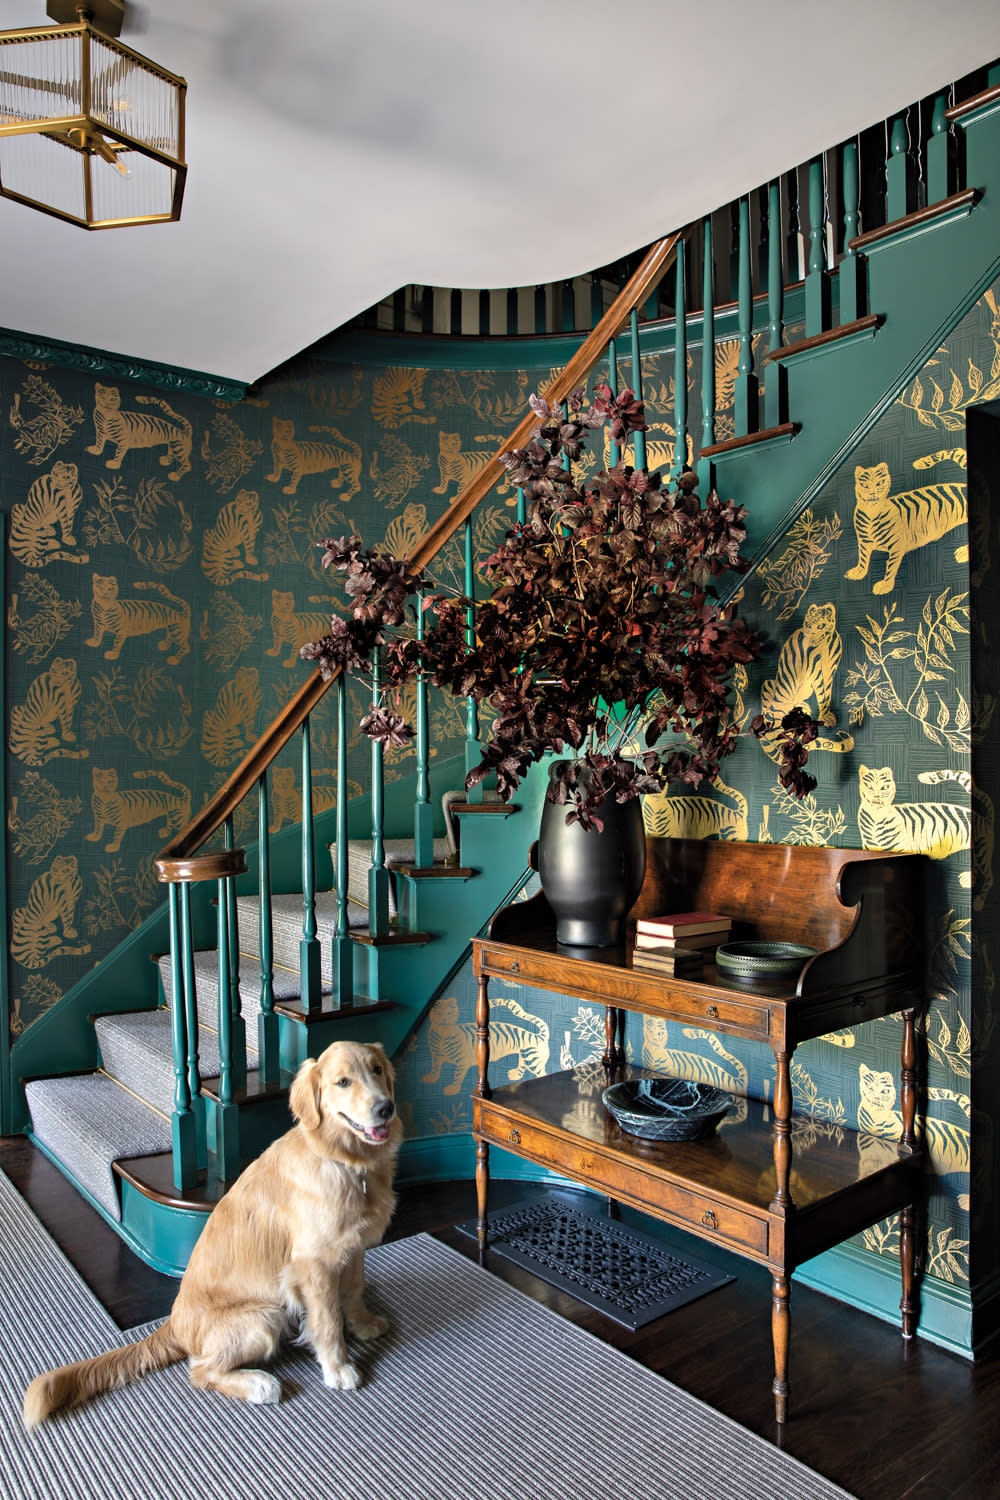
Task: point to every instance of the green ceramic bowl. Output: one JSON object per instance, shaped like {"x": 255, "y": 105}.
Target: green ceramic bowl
{"x": 758, "y": 960}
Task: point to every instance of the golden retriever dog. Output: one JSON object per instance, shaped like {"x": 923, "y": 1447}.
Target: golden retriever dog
{"x": 282, "y": 1252}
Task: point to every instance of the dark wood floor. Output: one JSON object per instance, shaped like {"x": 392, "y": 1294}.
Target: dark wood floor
{"x": 885, "y": 1420}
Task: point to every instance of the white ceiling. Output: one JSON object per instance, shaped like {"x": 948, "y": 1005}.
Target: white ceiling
{"x": 340, "y": 150}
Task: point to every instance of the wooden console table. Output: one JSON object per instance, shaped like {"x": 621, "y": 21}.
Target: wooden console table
{"x": 863, "y": 913}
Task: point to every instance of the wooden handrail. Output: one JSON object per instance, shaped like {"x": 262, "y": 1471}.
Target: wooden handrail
{"x": 181, "y": 853}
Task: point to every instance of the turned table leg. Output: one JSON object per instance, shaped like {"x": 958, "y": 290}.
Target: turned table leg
{"x": 782, "y": 1202}
{"x": 781, "y": 1327}
{"x": 614, "y": 1038}
{"x": 483, "y": 1090}
{"x": 907, "y": 1266}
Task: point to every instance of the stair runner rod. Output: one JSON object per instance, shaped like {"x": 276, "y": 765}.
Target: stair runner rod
{"x": 184, "y": 847}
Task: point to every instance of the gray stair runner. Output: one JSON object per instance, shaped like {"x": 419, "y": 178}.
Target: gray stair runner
{"x": 90, "y": 1121}
{"x": 137, "y": 1051}
{"x": 206, "y": 984}
{"x": 397, "y": 852}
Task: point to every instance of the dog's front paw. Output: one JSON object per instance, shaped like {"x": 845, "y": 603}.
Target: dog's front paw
{"x": 263, "y": 1389}
{"x": 371, "y": 1327}
{"x": 341, "y": 1377}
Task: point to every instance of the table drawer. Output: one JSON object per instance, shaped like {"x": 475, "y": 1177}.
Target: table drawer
{"x": 622, "y": 1176}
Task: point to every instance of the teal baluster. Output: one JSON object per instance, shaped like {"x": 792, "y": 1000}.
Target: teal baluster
{"x": 268, "y": 1042}
{"x": 614, "y": 449}
{"x": 900, "y": 174}
{"x": 182, "y": 1124}
{"x": 309, "y": 951}
{"x": 705, "y": 467}
{"x": 191, "y": 1024}
{"x": 942, "y": 160}
{"x": 239, "y": 1030}
{"x": 378, "y": 875}
{"x": 817, "y": 277}
{"x": 423, "y": 815}
{"x": 775, "y": 399}
{"x": 472, "y": 755}
{"x": 343, "y": 947}
{"x": 851, "y": 274}
{"x": 522, "y": 509}
{"x": 680, "y": 364}
{"x": 227, "y": 1119}
{"x": 638, "y": 438}
{"x": 746, "y": 404}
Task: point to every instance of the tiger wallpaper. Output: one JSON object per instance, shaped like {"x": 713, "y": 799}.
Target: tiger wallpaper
{"x": 163, "y": 572}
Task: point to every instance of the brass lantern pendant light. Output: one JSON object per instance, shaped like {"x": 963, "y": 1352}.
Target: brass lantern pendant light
{"x": 90, "y": 131}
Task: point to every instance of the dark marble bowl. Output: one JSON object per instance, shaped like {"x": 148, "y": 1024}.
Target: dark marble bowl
{"x": 666, "y": 1109}
{"x": 759, "y": 960}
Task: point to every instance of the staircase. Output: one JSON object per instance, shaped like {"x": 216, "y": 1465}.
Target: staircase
{"x": 164, "y": 1103}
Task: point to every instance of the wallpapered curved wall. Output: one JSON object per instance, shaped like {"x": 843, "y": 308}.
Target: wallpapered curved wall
{"x": 163, "y": 572}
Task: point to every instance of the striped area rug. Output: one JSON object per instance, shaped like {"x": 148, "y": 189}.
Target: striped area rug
{"x": 478, "y": 1393}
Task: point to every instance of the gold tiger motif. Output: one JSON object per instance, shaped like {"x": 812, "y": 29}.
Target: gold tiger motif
{"x": 41, "y": 529}
{"x": 294, "y": 630}
{"x": 228, "y": 729}
{"x": 43, "y": 928}
{"x": 52, "y": 699}
{"x": 395, "y": 469}
{"x": 695, "y": 817}
{"x": 228, "y": 546}
{"x": 123, "y": 810}
{"x": 933, "y": 828}
{"x": 124, "y": 618}
{"x": 804, "y": 677}
{"x": 398, "y": 397}
{"x": 898, "y": 524}
{"x": 452, "y": 1044}
{"x": 306, "y": 457}
{"x": 139, "y": 429}
{"x": 947, "y": 1144}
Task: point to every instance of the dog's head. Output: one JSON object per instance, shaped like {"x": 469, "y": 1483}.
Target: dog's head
{"x": 349, "y": 1088}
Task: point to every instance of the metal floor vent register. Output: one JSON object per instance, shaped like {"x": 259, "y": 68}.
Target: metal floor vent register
{"x": 617, "y": 1270}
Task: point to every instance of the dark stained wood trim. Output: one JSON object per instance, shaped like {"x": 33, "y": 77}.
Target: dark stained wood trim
{"x": 484, "y": 809}
{"x": 153, "y": 1177}
{"x": 307, "y": 1018}
{"x": 435, "y": 872}
{"x": 970, "y": 106}
{"x": 869, "y": 324}
{"x": 769, "y": 434}
{"x": 964, "y": 201}
{"x": 394, "y": 938}
{"x": 219, "y": 865}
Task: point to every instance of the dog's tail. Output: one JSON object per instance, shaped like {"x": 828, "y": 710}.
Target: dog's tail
{"x": 72, "y": 1384}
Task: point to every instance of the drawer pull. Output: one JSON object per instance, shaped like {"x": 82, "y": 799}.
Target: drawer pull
{"x": 514, "y": 1137}
{"x": 713, "y": 1011}
{"x": 709, "y": 1220}
{"x": 515, "y": 967}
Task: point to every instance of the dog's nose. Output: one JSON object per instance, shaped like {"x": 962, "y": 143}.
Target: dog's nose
{"x": 384, "y": 1110}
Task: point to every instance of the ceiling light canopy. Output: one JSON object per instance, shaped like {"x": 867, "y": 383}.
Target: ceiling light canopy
{"x": 90, "y": 131}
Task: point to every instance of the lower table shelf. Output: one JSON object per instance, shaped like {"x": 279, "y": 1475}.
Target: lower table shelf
{"x": 733, "y": 1187}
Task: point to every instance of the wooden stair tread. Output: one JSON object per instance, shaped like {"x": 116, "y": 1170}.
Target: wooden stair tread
{"x": 860, "y": 326}
{"x": 785, "y": 430}
{"x": 153, "y": 1177}
{"x": 364, "y": 1007}
{"x": 921, "y": 219}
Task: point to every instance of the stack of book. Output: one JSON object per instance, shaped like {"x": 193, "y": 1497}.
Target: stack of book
{"x": 680, "y": 942}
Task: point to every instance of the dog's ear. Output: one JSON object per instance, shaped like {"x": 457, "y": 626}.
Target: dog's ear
{"x": 303, "y": 1096}
{"x": 387, "y": 1067}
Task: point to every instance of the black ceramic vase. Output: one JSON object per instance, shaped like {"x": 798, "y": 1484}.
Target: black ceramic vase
{"x": 591, "y": 879}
